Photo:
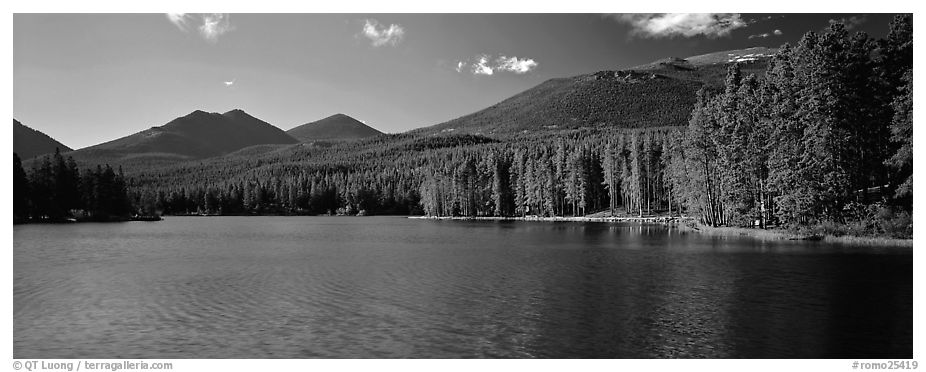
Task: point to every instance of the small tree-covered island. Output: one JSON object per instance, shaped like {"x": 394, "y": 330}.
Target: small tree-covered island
{"x": 56, "y": 191}
{"x": 813, "y": 137}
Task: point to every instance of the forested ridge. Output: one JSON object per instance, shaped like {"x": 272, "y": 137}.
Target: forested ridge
{"x": 822, "y": 136}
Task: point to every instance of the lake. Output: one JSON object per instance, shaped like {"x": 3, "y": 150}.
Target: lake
{"x": 392, "y": 287}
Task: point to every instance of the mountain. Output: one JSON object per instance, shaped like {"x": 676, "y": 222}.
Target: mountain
{"x": 29, "y": 143}
{"x": 748, "y": 55}
{"x": 655, "y": 96}
{"x": 334, "y": 127}
{"x": 658, "y": 94}
{"x": 195, "y": 136}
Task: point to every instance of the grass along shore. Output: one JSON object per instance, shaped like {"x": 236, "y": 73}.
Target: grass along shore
{"x": 784, "y": 234}
{"x": 657, "y": 219}
{"x": 690, "y": 225}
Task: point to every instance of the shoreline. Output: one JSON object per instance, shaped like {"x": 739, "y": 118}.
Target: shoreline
{"x": 661, "y": 219}
{"x": 70, "y": 220}
{"x": 683, "y": 224}
{"x": 764, "y": 234}
{"x": 779, "y": 234}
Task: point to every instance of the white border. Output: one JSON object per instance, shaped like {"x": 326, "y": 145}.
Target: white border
{"x": 469, "y": 6}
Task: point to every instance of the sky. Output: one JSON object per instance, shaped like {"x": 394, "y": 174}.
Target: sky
{"x": 85, "y": 79}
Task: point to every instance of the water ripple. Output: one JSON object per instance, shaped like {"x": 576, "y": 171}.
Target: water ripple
{"x": 391, "y": 287}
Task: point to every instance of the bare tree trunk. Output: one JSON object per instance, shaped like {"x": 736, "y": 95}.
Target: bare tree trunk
{"x": 669, "y": 200}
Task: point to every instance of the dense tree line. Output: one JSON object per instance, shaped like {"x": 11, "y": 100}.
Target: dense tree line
{"x": 464, "y": 175}
{"x": 55, "y": 190}
{"x": 565, "y": 176}
{"x": 825, "y": 131}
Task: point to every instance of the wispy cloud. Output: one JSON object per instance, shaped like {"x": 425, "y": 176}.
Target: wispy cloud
{"x": 516, "y": 65}
{"x": 766, "y": 34}
{"x": 766, "y": 18}
{"x": 850, "y": 22}
{"x": 178, "y": 19}
{"x": 484, "y": 64}
{"x": 381, "y": 35}
{"x": 210, "y": 26}
{"x": 481, "y": 67}
{"x": 670, "y": 25}
{"x": 214, "y": 25}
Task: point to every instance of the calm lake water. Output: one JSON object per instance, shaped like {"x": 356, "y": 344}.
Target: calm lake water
{"x": 386, "y": 287}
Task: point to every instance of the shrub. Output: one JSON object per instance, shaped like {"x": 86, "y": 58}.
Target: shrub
{"x": 828, "y": 227}
{"x": 896, "y": 224}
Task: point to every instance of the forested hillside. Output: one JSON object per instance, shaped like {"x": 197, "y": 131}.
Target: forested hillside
{"x": 820, "y": 134}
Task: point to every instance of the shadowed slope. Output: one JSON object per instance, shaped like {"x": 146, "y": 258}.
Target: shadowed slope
{"x": 29, "y": 143}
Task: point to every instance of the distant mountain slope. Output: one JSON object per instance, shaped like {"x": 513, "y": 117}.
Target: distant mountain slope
{"x": 658, "y": 94}
{"x": 197, "y": 135}
{"x": 334, "y": 127}
{"x": 711, "y": 68}
{"x": 654, "y": 96}
{"x": 29, "y": 143}
{"x": 607, "y": 98}
{"x": 738, "y": 55}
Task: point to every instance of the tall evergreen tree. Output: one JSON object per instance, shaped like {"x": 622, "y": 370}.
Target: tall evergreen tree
{"x": 20, "y": 190}
{"x": 902, "y": 134}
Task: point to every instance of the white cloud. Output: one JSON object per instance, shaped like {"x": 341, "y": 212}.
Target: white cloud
{"x": 230, "y": 83}
{"x": 481, "y": 66}
{"x": 659, "y": 25}
{"x": 766, "y": 34}
{"x": 513, "y": 64}
{"x": 484, "y": 64}
{"x": 178, "y": 19}
{"x": 210, "y": 26}
{"x": 214, "y": 25}
{"x": 380, "y": 36}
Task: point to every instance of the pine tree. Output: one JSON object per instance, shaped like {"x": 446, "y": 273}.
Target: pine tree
{"x": 20, "y": 190}
{"x": 902, "y": 134}
{"x": 610, "y": 175}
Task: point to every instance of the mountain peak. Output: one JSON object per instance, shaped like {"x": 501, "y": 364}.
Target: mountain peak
{"x": 335, "y": 127}
{"x": 239, "y": 114}
{"x": 236, "y": 111}
{"x": 199, "y": 134}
